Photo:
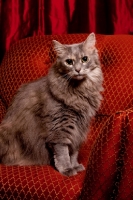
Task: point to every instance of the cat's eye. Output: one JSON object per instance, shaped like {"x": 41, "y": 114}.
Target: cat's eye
{"x": 69, "y": 61}
{"x": 84, "y": 59}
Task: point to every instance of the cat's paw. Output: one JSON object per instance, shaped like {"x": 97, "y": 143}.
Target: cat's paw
{"x": 69, "y": 172}
{"x": 79, "y": 168}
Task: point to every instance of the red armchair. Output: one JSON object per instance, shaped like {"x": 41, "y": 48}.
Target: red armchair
{"x": 107, "y": 154}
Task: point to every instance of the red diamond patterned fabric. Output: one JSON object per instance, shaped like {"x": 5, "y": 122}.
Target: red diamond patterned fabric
{"x": 109, "y": 173}
{"x": 107, "y": 154}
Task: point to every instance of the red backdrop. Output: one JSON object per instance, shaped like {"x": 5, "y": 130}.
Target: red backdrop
{"x": 23, "y": 18}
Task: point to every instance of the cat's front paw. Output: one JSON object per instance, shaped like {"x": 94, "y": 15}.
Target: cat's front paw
{"x": 69, "y": 172}
{"x": 79, "y": 168}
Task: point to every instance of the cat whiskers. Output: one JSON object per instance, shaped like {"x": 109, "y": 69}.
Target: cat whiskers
{"x": 67, "y": 77}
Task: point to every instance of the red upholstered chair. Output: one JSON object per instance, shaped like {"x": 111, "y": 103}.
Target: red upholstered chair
{"x": 108, "y": 152}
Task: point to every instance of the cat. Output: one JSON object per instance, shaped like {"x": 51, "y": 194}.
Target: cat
{"x": 49, "y": 118}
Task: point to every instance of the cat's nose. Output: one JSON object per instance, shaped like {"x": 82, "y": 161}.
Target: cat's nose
{"x": 77, "y": 69}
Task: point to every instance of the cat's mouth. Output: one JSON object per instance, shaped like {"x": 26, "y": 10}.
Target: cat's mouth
{"x": 78, "y": 77}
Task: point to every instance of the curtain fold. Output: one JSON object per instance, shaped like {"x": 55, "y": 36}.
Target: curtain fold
{"x": 24, "y": 18}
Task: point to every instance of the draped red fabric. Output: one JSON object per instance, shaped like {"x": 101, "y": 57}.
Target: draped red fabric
{"x": 23, "y": 18}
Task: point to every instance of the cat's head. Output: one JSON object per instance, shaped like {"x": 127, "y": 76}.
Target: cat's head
{"x": 77, "y": 61}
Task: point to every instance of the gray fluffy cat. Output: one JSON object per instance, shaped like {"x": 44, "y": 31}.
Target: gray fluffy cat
{"x": 49, "y": 118}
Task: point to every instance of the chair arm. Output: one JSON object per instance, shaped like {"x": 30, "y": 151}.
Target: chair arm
{"x": 109, "y": 170}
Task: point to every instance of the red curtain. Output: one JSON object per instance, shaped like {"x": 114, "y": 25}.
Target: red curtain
{"x": 24, "y": 18}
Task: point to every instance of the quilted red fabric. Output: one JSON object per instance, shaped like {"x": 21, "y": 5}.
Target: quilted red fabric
{"x": 107, "y": 153}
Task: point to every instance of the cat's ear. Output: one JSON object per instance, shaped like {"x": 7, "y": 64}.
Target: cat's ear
{"x": 90, "y": 41}
{"x": 59, "y": 48}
